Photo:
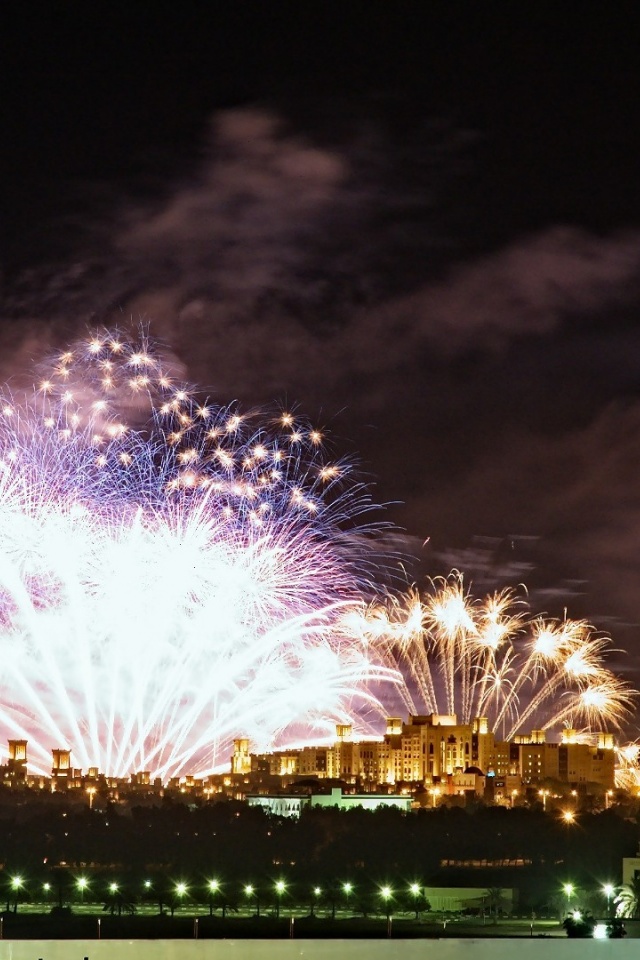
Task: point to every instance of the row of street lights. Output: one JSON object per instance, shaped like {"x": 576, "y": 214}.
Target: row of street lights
{"x": 180, "y": 889}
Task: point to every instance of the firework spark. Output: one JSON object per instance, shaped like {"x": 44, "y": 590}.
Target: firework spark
{"x": 172, "y": 573}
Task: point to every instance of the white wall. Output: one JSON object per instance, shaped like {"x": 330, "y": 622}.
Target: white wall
{"x": 498, "y": 949}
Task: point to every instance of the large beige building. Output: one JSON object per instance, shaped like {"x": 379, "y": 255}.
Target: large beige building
{"x": 435, "y": 750}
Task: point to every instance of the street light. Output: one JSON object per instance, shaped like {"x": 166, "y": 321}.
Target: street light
{"x": 347, "y": 889}
{"x": 386, "y": 893}
{"x": 317, "y": 892}
{"x": 250, "y": 891}
{"x": 416, "y": 892}
{"x": 213, "y": 887}
{"x": 82, "y": 883}
{"x": 607, "y": 799}
{"x": 17, "y": 883}
{"x": 280, "y": 889}
{"x": 568, "y": 816}
{"x": 608, "y": 889}
{"x": 544, "y": 794}
{"x": 569, "y": 890}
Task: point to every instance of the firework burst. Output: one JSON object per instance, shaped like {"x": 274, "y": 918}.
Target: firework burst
{"x": 172, "y": 573}
{"x": 492, "y": 658}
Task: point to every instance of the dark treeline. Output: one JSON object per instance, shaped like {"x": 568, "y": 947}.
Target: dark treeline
{"x": 240, "y": 844}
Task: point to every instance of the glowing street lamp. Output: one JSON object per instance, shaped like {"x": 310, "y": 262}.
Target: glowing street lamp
{"x": 608, "y": 889}
{"x": 250, "y": 891}
{"x": 387, "y": 894}
{"x": 317, "y": 892}
{"x": 213, "y": 887}
{"x": 435, "y": 793}
{"x": 569, "y": 890}
{"x": 16, "y": 884}
{"x": 280, "y": 887}
{"x": 416, "y": 892}
{"x": 544, "y": 794}
{"x": 47, "y": 889}
{"x": 608, "y": 797}
{"x": 347, "y": 889}
{"x": 82, "y": 884}
{"x": 568, "y": 816}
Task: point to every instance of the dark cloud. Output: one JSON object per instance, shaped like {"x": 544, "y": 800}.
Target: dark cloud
{"x": 264, "y": 273}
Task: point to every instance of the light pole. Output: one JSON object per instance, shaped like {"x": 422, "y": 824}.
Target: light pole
{"x": 317, "y": 892}
{"x": 347, "y": 889}
{"x": 113, "y": 889}
{"x": 250, "y": 891}
{"x": 608, "y": 889}
{"x": 569, "y": 890}
{"x": 544, "y": 794}
{"x": 17, "y": 883}
{"x": 181, "y": 890}
{"x": 280, "y": 889}
{"x": 214, "y": 887}
{"x": 386, "y": 893}
{"x": 82, "y": 883}
{"x": 416, "y": 892}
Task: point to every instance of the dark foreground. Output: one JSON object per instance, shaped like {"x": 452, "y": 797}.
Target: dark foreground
{"x": 29, "y": 926}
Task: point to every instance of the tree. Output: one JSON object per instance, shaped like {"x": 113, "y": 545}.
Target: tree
{"x": 119, "y": 900}
{"x": 61, "y": 882}
{"x": 578, "y": 925}
{"x": 494, "y": 900}
{"x": 616, "y": 930}
{"x": 627, "y": 900}
{"x": 414, "y": 899}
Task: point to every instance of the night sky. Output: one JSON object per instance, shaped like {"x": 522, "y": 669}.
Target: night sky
{"x": 422, "y": 231}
